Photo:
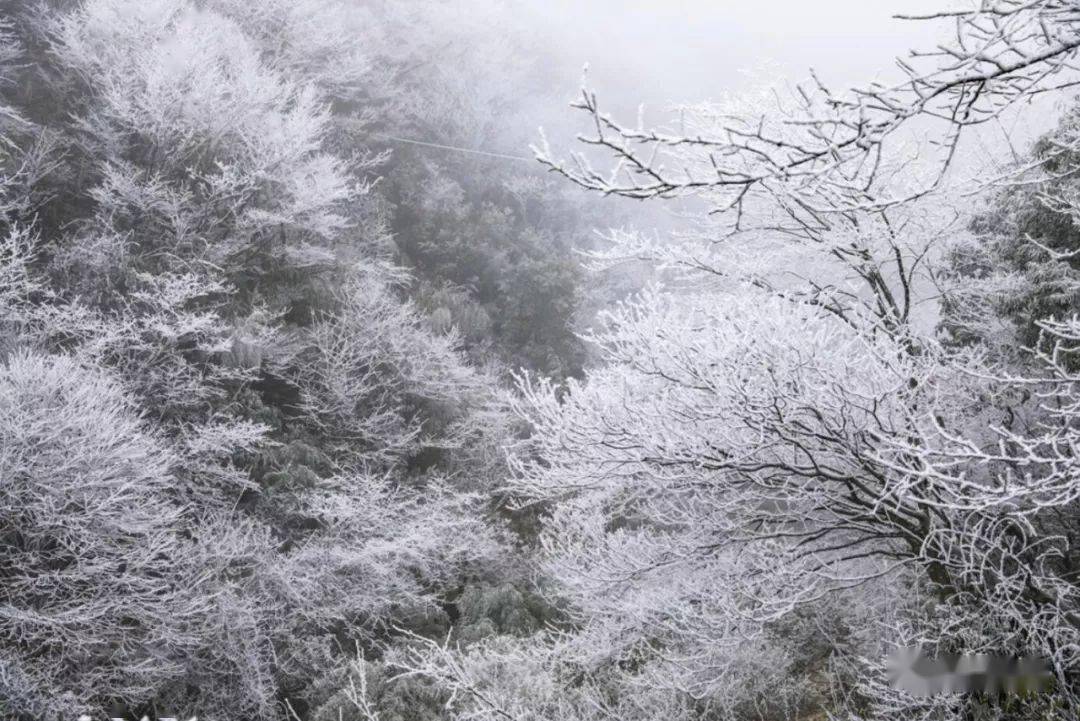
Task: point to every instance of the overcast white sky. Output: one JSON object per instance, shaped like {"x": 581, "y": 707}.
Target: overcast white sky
{"x": 690, "y": 50}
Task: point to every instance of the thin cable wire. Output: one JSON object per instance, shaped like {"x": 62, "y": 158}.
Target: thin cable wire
{"x": 470, "y": 151}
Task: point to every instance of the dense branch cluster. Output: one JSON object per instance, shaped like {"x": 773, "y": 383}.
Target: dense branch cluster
{"x": 778, "y": 430}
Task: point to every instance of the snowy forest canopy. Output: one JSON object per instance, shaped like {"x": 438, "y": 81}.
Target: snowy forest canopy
{"x": 322, "y": 398}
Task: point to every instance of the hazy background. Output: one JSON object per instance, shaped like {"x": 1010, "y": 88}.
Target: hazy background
{"x": 689, "y": 50}
{"x": 666, "y": 52}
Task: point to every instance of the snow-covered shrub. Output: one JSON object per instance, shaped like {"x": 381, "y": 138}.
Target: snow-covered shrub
{"x": 99, "y": 599}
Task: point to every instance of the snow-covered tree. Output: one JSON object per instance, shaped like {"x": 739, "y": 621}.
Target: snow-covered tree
{"x": 780, "y": 427}
{"x": 100, "y": 599}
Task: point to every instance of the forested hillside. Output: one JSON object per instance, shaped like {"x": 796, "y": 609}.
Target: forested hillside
{"x": 321, "y": 398}
{"x": 252, "y": 420}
